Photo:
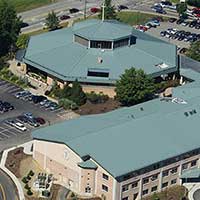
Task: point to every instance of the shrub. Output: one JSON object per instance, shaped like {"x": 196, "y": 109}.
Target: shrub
{"x": 31, "y": 173}
{"x": 24, "y": 180}
{"x": 28, "y": 177}
{"x": 29, "y": 192}
{"x": 97, "y": 98}
{"x": 27, "y": 186}
{"x": 67, "y": 104}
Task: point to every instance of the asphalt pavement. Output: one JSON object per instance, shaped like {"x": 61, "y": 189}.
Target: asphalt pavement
{"x": 7, "y": 188}
{"x": 36, "y": 17}
{"x": 9, "y": 135}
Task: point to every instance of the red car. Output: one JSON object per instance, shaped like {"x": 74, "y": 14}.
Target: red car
{"x": 196, "y": 12}
{"x": 141, "y": 28}
{"x": 40, "y": 120}
{"x": 64, "y": 17}
{"x": 95, "y": 10}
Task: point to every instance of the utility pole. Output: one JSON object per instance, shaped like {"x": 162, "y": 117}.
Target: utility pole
{"x": 85, "y": 6}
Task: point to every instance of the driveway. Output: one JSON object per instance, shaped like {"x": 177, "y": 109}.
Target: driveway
{"x": 7, "y": 188}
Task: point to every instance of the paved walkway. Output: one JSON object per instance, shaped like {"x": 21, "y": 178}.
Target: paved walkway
{"x": 192, "y": 188}
{"x": 11, "y": 175}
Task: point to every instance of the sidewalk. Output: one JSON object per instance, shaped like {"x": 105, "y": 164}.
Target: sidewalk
{"x": 11, "y": 175}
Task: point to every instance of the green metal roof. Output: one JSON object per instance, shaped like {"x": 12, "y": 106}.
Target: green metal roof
{"x": 56, "y": 53}
{"x": 191, "y": 173}
{"x": 89, "y": 164}
{"x": 102, "y": 30}
{"x": 128, "y": 139}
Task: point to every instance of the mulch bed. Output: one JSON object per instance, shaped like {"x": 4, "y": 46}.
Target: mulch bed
{"x": 13, "y": 160}
{"x": 90, "y": 108}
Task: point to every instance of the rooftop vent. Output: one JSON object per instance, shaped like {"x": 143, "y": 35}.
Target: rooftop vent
{"x": 99, "y": 60}
{"x": 179, "y": 101}
{"x": 162, "y": 65}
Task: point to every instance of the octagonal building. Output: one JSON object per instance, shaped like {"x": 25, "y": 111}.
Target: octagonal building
{"x": 96, "y": 53}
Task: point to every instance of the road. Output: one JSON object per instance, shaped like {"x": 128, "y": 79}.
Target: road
{"x": 36, "y": 17}
{"x": 7, "y": 188}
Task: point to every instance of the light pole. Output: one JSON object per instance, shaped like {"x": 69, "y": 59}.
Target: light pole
{"x": 85, "y": 6}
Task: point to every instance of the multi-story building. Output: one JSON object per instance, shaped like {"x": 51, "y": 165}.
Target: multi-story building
{"x": 96, "y": 53}
{"x": 128, "y": 153}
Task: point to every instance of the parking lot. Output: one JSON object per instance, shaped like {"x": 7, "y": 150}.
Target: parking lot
{"x": 166, "y": 25}
{"x": 10, "y": 135}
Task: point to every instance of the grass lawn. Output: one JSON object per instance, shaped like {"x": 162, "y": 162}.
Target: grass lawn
{"x": 134, "y": 18}
{"x": 23, "y": 5}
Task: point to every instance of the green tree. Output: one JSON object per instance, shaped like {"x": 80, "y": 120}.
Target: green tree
{"x": 181, "y": 8}
{"x": 22, "y": 41}
{"x": 194, "y": 51}
{"x": 109, "y": 10}
{"x": 77, "y": 94}
{"x": 9, "y": 26}
{"x": 195, "y": 3}
{"x": 52, "y": 21}
{"x": 134, "y": 87}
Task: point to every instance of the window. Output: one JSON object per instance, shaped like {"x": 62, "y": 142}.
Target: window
{"x": 145, "y": 180}
{"x": 105, "y": 188}
{"x": 96, "y": 73}
{"x": 125, "y": 198}
{"x": 193, "y": 163}
{"x": 106, "y": 177}
{"x": 81, "y": 40}
{"x": 184, "y": 166}
{"x": 164, "y": 184}
{"x": 153, "y": 189}
{"x": 144, "y": 192}
{"x": 125, "y": 188}
{"x": 173, "y": 181}
{"x": 121, "y": 43}
{"x": 101, "y": 44}
{"x": 134, "y": 184}
{"x": 165, "y": 173}
{"x": 174, "y": 170}
{"x": 87, "y": 189}
{"x": 154, "y": 177}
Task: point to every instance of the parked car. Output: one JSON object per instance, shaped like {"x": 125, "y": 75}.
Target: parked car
{"x": 7, "y": 105}
{"x": 23, "y": 25}
{"x": 37, "y": 99}
{"x": 161, "y": 11}
{"x": 33, "y": 122}
{"x": 154, "y": 23}
{"x": 22, "y": 118}
{"x": 20, "y": 94}
{"x": 42, "y": 103}
{"x": 29, "y": 115}
{"x": 10, "y": 122}
{"x": 73, "y": 10}
{"x": 165, "y": 4}
{"x": 122, "y": 7}
{"x": 162, "y": 33}
{"x": 47, "y": 104}
{"x": 54, "y": 106}
{"x": 19, "y": 126}
{"x": 141, "y": 28}
{"x": 172, "y": 20}
{"x": 192, "y": 23}
{"x": 95, "y": 10}
{"x": 40, "y": 120}
{"x": 184, "y": 23}
{"x": 64, "y": 17}
{"x": 156, "y": 7}
{"x": 179, "y": 21}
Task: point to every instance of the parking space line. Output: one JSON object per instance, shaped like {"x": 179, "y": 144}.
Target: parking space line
{"x": 57, "y": 110}
{"x": 2, "y": 133}
{"x": 7, "y": 88}
{"x": 13, "y": 89}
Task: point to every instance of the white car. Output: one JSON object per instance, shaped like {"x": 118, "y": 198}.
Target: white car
{"x": 19, "y": 126}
